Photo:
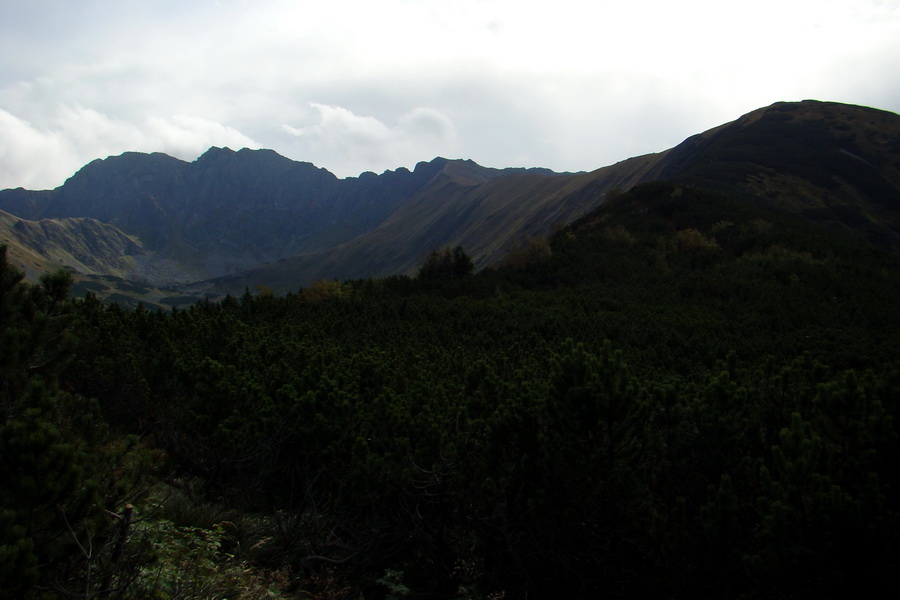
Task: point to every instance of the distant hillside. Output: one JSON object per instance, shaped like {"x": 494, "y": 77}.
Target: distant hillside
{"x": 77, "y": 244}
{"x": 235, "y": 220}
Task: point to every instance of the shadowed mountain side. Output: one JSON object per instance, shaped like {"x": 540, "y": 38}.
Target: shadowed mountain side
{"x": 486, "y": 219}
{"x": 230, "y": 211}
{"x": 829, "y": 163}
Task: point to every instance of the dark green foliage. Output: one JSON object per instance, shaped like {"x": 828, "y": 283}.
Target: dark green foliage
{"x": 446, "y": 263}
{"x": 684, "y": 397}
{"x": 85, "y": 286}
{"x": 62, "y": 475}
{"x": 178, "y": 300}
{"x": 33, "y": 337}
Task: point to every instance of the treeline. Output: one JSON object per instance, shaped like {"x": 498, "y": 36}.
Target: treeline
{"x": 677, "y": 395}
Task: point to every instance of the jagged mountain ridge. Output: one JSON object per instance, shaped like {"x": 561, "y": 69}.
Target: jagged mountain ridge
{"x": 229, "y": 211}
{"x": 253, "y": 217}
{"x": 486, "y": 219}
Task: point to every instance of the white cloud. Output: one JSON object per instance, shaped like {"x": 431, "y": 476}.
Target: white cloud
{"x": 573, "y": 85}
{"x": 31, "y": 158}
{"x": 350, "y": 143}
{"x": 186, "y": 136}
{"x": 43, "y": 156}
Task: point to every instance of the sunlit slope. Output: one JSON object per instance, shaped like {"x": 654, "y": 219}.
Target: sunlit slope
{"x": 84, "y": 246}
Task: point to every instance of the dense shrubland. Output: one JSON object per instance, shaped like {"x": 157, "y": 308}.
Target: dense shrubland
{"x": 678, "y": 395}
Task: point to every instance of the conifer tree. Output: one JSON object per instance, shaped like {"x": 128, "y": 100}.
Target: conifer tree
{"x": 446, "y": 263}
{"x": 59, "y": 487}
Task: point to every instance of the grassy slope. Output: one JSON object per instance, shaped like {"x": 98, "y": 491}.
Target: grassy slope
{"x": 84, "y": 246}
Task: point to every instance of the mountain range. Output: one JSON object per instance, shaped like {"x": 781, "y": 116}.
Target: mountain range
{"x": 161, "y": 230}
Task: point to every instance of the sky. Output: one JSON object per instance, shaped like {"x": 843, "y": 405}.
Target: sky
{"x": 365, "y": 85}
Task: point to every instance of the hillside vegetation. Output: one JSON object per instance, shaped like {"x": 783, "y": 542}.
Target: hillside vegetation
{"x": 681, "y": 394}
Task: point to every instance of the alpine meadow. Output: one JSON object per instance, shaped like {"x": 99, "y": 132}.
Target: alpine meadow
{"x": 673, "y": 377}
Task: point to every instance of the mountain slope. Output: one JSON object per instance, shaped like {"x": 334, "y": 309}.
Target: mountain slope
{"x": 487, "y": 218}
{"x": 828, "y": 162}
{"x": 231, "y": 220}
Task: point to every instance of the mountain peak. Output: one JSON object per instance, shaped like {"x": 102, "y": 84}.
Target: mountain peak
{"x": 215, "y": 153}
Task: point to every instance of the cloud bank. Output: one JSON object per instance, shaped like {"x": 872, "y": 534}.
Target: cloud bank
{"x": 354, "y": 86}
{"x": 37, "y": 157}
{"x": 345, "y": 140}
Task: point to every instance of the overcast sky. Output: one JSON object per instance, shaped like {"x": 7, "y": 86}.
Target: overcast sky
{"x": 366, "y": 85}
